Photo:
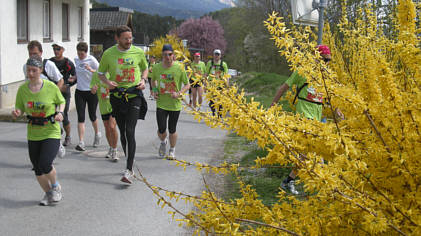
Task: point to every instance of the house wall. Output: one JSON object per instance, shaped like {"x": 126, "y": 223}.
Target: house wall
{"x": 13, "y": 54}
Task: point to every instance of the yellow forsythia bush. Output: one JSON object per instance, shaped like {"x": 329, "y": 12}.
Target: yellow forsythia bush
{"x": 370, "y": 182}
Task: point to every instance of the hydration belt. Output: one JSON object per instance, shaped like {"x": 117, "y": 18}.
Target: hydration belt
{"x": 124, "y": 92}
{"x": 34, "y": 120}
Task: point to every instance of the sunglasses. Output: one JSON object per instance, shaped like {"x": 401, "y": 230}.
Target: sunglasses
{"x": 167, "y": 54}
{"x": 56, "y": 49}
{"x": 217, "y": 54}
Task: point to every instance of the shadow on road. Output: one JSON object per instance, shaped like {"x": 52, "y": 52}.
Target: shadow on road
{"x": 13, "y": 204}
{"x": 15, "y": 144}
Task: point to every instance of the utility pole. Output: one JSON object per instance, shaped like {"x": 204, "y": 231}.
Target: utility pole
{"x": 321, "y": 7}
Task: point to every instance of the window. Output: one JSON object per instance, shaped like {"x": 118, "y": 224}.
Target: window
{"x": 65, "y": 21}
{"x": 22, "y": 20}
{"x": 80, "y": 23}
{"x": 46, "y": 26}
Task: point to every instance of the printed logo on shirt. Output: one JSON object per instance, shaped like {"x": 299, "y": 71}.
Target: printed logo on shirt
{"x": 125, "y": 75}
{"x": 167, "y": 84}
{"x": 313, "y": 95}
{"x": 37, "y": 107}
{"x": 126, "y": 61}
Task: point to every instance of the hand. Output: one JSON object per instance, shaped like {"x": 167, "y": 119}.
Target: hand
{"x": 155, "y": 95}
{"x": 16, "y": 113}
{"x": 94, "y": 89}
{"x": 141, "y": 85}
{"x": 59, "y": 117}
{"x": 339, "y": 114}
{"x": 72, "y": 79}
{"x": 89, "y": 68}
{"x": 111, "y": 84}
{"x": 175, "y": 94}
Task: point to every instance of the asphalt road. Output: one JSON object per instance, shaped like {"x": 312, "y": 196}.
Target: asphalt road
{"x": 95, "y": 202}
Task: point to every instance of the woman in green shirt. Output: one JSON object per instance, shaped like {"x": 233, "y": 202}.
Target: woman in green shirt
{"x": 43, "y": 103}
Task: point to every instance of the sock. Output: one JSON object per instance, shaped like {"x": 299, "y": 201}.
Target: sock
{"x": 172, "y": 149}
{"x": 163, "y": 142}
{"x": 54, "y": 185}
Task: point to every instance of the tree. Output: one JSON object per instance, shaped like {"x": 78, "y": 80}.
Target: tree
{"x": 361, "y": 175}
{"x": 204, "y": 33}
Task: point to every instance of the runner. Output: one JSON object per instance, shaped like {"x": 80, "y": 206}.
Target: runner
{"x": 167, "y": 78}
{"x": 152, "y": 62}
{"x": 67, "y": 69}
{"x": 86, "y": 65}
{"x": 49, "y": 72}
{"x": 128, "y": 70}
{"x": 103, "y": 93}
{"x": 309, "y": 104}
{"x": 196, "y": 80}
{"x": 39, "y": 99}
{"x": 216, "y": 69}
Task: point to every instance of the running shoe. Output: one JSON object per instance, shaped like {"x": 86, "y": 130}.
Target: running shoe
{"x": 81, "y": 146}
{"x": 56, "y": 194}
{"x": 61, "y": 151}
{"x": 97, "y": 139}
{"x": 109, "y": 153}
{"x": 67, "y": 141}
{"x": 150, "y": 97}
{"x": 46, "y": 199}
{"x": 291, "y": 186}
{"x": 127, "y": 177}
{"x": 114, "y": 155}
{"x": 162, "y": 149}
{"x": 171, "y": 154}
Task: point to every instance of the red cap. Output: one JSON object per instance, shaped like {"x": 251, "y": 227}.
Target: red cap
{"x": 197, "y": 54}
{"x": 323, "y": 49}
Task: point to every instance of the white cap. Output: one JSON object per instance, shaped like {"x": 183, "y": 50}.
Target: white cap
{"x": 60, "y": 44}
{"x": 217, "y": 51}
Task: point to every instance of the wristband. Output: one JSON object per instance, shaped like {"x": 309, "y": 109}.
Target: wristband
{"x": 155, "y": 89}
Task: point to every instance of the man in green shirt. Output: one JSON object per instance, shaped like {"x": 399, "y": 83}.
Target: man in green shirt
{"x": 128, "y": 71}
{"x": 105, "y": 108}
{"x": 309, "y": 103}
{"x": 196, "y": 80}
{"x": 216, "y": 69}
{"x": 167, "y": 78}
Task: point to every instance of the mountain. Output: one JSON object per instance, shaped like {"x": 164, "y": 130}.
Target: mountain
{"x": 180, "y": 9}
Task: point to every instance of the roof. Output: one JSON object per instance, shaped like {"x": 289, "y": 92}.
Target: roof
{"x": 108, "y": 20}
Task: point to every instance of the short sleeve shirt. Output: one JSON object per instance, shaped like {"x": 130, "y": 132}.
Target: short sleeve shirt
{"x": 50, "y": 69}
{"x": 83, "y": 75}
{"x": 199, "y": 69}
{"x": 103, "y": 94}
{"x": 169, "y": 81}
{"x": 125, "y": 67}
{"x": 307, "y": 109}
{"x": 40, "y": 104}
{"x": 215, "y": 69}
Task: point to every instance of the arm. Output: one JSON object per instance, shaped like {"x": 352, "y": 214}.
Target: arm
{"x": 284, "y": 87}
{"x": 103, "y": 78}
{"x": 143, "y": 79}
{"x": 59, "y": 116}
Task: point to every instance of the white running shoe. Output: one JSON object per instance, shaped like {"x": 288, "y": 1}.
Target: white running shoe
{"x": 171, "y": 154}
{"x": 162, "y": 149}
{"x": 61, "y": 151}
{"x": 81, "y": 146}
{"x": 127, "y": 177}
{"x": 97, "y": 139}
{"x": 56, "y": 194}
{"x": 291, "y": 186}
{"x": 109, "y": 153}
{"x": 114, "y": 155}
{"x": 45, "y": 200}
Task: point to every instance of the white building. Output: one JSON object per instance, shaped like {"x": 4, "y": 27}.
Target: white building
{"x": 47, "y": 21}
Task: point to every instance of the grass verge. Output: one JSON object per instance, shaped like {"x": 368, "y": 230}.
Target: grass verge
{"x": 266, "y": 181}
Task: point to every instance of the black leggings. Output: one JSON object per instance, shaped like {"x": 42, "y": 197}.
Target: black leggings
{"x": 126, "y": 115}
{"x": 161, "y": 119}
{"x": 216, "y": 109}
{"x": 81, "y": 98}
{"x": 42, "y": 154}
{"x": 66, "y": 108}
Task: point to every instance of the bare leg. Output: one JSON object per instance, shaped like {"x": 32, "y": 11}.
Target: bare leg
{"x": 114, "y": 132}
{"x": 81, "y": 131}
{"x": 162, "y": 136}
{"x": 67, "y": 130}
{"x": 194, "y": 95}
{"x": 200, "y": 93}
{"x": 95, "y": 125}
{"x": 46, "y": 180}
{"x": 107, "y": 131}
{"x": 173, "y": 139}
